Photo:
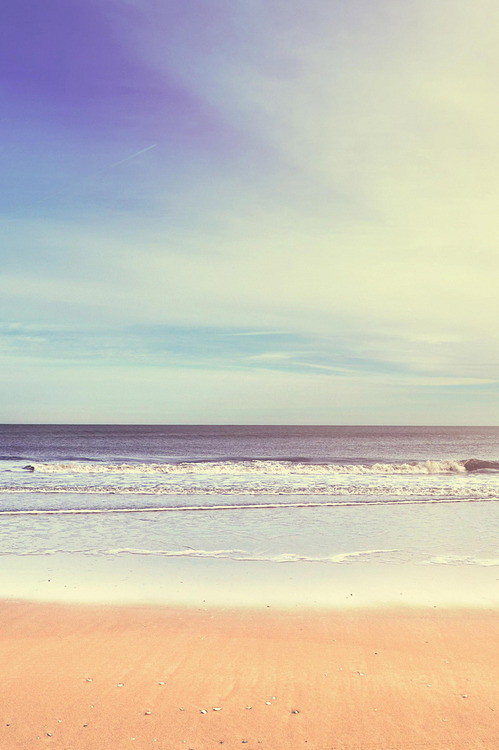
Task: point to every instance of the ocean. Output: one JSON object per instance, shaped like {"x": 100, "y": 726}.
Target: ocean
{"x": 245, "y": 514}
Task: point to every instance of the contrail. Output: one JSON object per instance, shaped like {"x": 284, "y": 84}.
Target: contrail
{"x": 131, "y": 156}
{"x": 77, "y": 183}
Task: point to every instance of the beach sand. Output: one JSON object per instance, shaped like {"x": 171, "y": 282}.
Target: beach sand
{"x": 78, "y": 677}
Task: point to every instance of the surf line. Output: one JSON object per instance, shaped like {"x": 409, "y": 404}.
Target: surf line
{"x": 253, "y": 506}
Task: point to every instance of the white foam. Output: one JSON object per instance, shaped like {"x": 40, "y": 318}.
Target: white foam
{"x": 485, "y": 562}
{"x": 472, "y": 489}
{"x": 241, "y": 555}
{"x": 224, "y": 554}
{"x": 237, "y": 554}
{"x": 250, "y": 467}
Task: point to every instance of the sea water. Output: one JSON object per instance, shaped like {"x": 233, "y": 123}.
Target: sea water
{"x": 247, "y": 514}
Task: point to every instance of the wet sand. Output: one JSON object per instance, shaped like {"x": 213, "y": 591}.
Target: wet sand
{"x": 78, "y": 677}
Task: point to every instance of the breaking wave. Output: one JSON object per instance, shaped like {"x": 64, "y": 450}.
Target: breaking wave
{"x": 261, "y": 467}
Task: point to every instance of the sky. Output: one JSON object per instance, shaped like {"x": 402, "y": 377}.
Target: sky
{"x": 249, "y": 211}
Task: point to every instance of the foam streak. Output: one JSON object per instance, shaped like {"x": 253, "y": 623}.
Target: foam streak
{"x": 248, "y": 506}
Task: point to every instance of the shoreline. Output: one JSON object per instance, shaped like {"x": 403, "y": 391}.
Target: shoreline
{"x": 93, "y": 676}
{"x": 197, "y": 582}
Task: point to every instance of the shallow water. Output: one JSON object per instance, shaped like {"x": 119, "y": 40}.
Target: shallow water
{"x": 152, "y": 499}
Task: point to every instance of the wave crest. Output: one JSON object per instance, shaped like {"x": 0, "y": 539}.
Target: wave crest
{"x": 258, "y": 467}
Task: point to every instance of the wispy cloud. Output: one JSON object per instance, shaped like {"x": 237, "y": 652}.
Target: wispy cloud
{"x": 256, "y": 333}
{"x": 312, "y": 199}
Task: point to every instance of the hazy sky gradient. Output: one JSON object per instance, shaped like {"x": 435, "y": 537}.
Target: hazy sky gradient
{"x": 252, "y": 211}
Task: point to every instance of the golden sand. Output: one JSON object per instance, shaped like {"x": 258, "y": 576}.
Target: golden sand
{"x": 109, "y": 678}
